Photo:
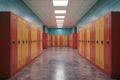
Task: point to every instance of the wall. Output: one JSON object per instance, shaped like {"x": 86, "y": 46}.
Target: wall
{"x": 99, "y": 9}
{"x": 60, "y": 31}
{"x": 20, "y": 8}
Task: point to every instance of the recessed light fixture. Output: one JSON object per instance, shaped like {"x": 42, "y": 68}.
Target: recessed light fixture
{"x": 59, "y": 20}
{"x": 60, "y": 16}
{"x": 60, "y": 2}
{"x": 60, "y": 11}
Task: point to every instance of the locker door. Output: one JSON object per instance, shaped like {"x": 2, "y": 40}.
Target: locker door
{"x": 101, "y": 27}
{"x": 29, "y": 42}
{"x": 88, "y": 41}
{"x": 19, "y": 44}
{"x": 85, "y": 39}
{"x": 97, "y": 42}
{"x": 53, "y": 41}
{"x": 107, "y": 43}
{"x": 41, "y": 41}
{"x": 13, "y": 44}
{"x": 32, "y": 45}
{"x": 94, "y": 47}
{"x": 83, "y": 42}
{"x": 80, "y": 41}
{"x": 23, "y": 42}
{"x": 91, "y": 43}
{"x": 58, "y": 38}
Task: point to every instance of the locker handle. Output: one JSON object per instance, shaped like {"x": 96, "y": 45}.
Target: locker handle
{"x": 18, "y": 42}
{"x": 102, "y": 42}
{"x": 97, "y": 41}
{"x": 107, "y": 41}
{"x": 13, "y": 42}
{"x": 26, "y": 41}
{"x": 88, "y": 41}
{"x": 23, "y": 42}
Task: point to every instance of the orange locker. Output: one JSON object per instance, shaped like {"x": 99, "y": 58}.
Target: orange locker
{"x": 58, "y": 41}
{"x": 29, "y": 42}
{"x": 53, "y": 41}
{"x": 88, "y": 41}
{"x": 92, "y": 42}
{"x": 41, "y": 41}
{"x": 45, "y": 40}
{"x": 85, "y": 42}
{"x": 38, "y": 40}
{"x": 34, "y": 42}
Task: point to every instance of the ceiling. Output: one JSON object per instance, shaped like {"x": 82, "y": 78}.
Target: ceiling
{"x": 75, "y": 10}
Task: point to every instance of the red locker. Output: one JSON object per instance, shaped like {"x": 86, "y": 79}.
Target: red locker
{"x": 85, "y": 42}
{"x": 8, "y": 44}
{"x": 38, "y": 41}
{"x": 45, "y": 41}
{"x": 29, "y": 42}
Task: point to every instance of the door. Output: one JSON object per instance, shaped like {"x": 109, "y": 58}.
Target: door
{"x": 101, "y": 53}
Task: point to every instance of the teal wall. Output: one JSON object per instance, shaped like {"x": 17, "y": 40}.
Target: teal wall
{"x": 99, "y": 9}
{"x": 60, "y": 31}
{"x": 20, "y": 8}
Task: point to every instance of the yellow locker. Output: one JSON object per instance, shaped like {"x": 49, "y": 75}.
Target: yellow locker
{"x": 53, "y": 40}
{"x": 101, "y": 27}
{"x": 58, "y": 39}
{"x": 97, "y": 42}
{"x": 19, "y": 44}
{"x": 23, "y": 55}
{"x": 33, "y": 44}
{"x": 88, "y": 41}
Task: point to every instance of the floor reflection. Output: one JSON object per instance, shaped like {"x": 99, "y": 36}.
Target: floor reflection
{"x": 58, "y": 63}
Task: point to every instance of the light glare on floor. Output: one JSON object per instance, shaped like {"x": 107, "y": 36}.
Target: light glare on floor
{"x": 60, "y": 2}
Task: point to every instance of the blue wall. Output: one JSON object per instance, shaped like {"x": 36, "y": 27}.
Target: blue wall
{"x": 19, "y": 7}
{"x": 60, "y": 31}
{"x": 99, "y": 9}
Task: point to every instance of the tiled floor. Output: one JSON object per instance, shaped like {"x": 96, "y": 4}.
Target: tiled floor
{"x": 59, "y": 64}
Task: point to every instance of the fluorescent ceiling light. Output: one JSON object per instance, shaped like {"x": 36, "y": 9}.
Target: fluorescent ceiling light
{"x": 60, "y": 11}
{"x": 60, "y": 16}
{"x": 60, "y": 2}
{"x": 59, "y": 20}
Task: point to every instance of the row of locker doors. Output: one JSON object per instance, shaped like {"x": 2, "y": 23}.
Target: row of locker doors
{"x": 91, "y": 42}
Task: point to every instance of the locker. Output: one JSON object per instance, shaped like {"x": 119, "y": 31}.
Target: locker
{"x": 97, "y": 42}
{"x": 8, "y": 34}
{"x": 19, "y": 43}
{"x": 38, "y": 40}
{"x": 53, "y": 41}
{"x": 45, "y": 40}
{"x": 88, "y": 41}
{"x": 85, "y": 42}
{"x": 41, "y": 41}
{"x": 92, "y": 44}
{"x": 58, "y": 41}
{"x": 107, "y": 36}
{"x": 101, "y": 53}
{"x": 33, "y": 44}
{"x": 29, "y": 42}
